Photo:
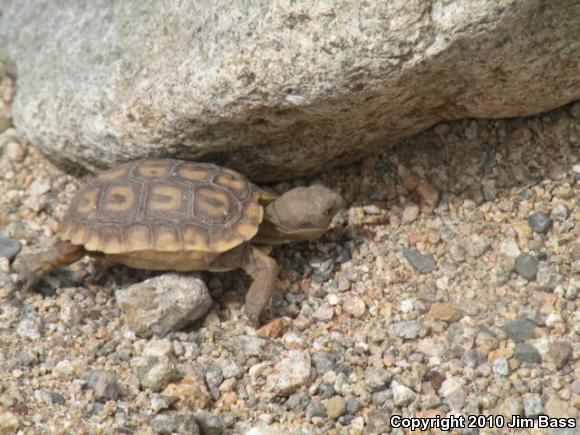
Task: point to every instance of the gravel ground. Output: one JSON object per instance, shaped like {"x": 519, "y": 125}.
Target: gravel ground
{"x": 449, "y": 286}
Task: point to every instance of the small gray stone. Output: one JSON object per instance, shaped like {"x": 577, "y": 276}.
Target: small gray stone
{"x": 477, "y": 246}
{"x": 540, "y": 222}
{"x": 214, "y": 375}
{"x": 155, "y": 372}
{"x": 376, "y": 378}
{"x": 209, "y": 424}
{"x": 533, "y": 405}
{"x": 232, "y": 369}
{"x": 249, "y": 345}
{"x": 57, "y": 398}
{"x": 407, "y": 329}
{"x": 519, "y": 329}
{"x": 105, "y": 385}
{"x": 322, "y": 362}
{"x": 560, "y": 353}
{"x": 175, "y": 423}
{"x": 160, "y": 402}
{"x": 352, "y": 405}
{"x": 298, "y": 402}
{"x": 164, "y": 303}
{"x": 525, "y": 353}
{"x": 323, "y": 270}
{"x": 527, "y": 266}
{"x": 9, "y": 248}
{"x": 501, "y": 367}
{"x": 402, "y": 395}
{"x": 422, "y": 263}
{"x": 316, "y": 409}
{"x": 30, "y": 327}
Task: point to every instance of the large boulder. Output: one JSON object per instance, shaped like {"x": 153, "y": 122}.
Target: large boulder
{"x": 276, "y": 89}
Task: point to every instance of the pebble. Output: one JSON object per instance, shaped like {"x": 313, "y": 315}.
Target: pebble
{"x": 354, "y": 305}
{"x": 30, "y": 327}
{"x": 158, "y": 348}
{"x": 322, "y": 270}
{"x": 452, "y": 390}
{"x": 322, "y": 362}
{"x": 105, "y": 385}
{"x": 316, "y": 409}
{"x": 376, "y": 378}
{"x": 165, "y": 303}
{"x": 526, "y": 266}
{"x": 352, "y": 405}
{"x": 422, "y": 263}
{"x": 56, "y": 398}
{"x": 273, "y": 329}
{"x": 501, "y": 367}
{"x": 250, "y": 345}
{"x": 160, "y": 402}
{"x": 559, "y": 353}
{"x": 525, "y": 353}
{"x": 39, "y": 187}
{"x": 9, "y": 248}
{"x": 477, "y": 246}
{"x": 8, "y": 423}
{"x": 560, "y": 212}
{"x": 557, "y": 408}
{"x": 553, "y": 319}
{"x": 410, "y": 213}
{"x": 291, "y": 373}
{"x": 232, "y": 369}
{"x": 14, "y": 150}
{"x": 512, "y": 406}
{"x": 191, "y": 392}
{"x": 324, "y": 313}
{"x": 335, "y": 407}
{"x": 445, "y": 311}
{"x": 519, "y": 329}
{"x": 209, "y": 424}
{"x": 298, "y": 401}
{"x": 540, "y": 222}
{"x": 509, "y": 249}
{"x": 154, "y": 372}
{"x": 175, "y": 423}
{"x": 533, "y": 405}
{"x": 372, "y": 210}
{"x": 407, "y": 329}
{"x": 213, "y": 375}
{"x": 402, "y": 395}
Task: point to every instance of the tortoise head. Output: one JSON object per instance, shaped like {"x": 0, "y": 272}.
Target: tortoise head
{"x": 303, "y": 213}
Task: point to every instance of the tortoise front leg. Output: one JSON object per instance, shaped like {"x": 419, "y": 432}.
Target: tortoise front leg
{"x": 32, "y": 267}
{"x": 264, "y": 271}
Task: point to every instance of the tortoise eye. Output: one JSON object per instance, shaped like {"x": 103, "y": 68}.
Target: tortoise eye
{"x": 328, "y": 211}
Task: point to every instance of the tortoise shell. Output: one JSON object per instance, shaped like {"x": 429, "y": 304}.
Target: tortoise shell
{"x": 164, "y": 208}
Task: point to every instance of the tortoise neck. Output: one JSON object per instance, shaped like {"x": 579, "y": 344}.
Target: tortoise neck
{"x": 270, "y": 231}
{"x": 273, "y": 230}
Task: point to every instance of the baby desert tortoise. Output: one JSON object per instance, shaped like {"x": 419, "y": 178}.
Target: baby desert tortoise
{"x": 176, "y": 215}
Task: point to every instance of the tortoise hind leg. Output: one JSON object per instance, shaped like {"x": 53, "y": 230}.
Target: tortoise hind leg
{"x": 32, "y": 267}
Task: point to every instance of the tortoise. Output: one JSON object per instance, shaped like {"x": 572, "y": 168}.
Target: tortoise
{"x": 165, "y": 214}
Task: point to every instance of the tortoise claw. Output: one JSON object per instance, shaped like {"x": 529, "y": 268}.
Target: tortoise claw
{"x": 253, "y": 319}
